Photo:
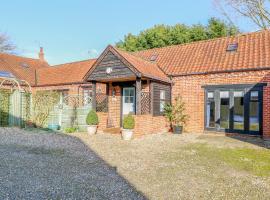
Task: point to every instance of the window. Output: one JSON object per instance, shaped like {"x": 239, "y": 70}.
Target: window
{"x": 86, "y": 96}
{"x": 129, "y": 95}
{"x": 210, "y": 110}
{"x": 254, "y": 111}
{"x": 234, "y": 108}
{"x": 224, "y": 109}
{"x": 232, "y": 47}
{"x": 162, "y": 100}
{"x": 238, "y": 110}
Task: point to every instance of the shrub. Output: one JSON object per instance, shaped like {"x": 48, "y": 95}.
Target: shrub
{"x": 128, "y": 122}
{"x": 92, "y": 118}
{"x": 176, "y": 113}
{"x": 71, "y": 130}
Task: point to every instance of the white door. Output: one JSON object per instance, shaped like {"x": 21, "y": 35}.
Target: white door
{"x": 128, "y": 100}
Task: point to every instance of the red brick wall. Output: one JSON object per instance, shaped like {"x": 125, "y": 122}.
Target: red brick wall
{"x": 102, "y": 117}
{"x": 190, "y": 89}
{"x": 148, "y": 124}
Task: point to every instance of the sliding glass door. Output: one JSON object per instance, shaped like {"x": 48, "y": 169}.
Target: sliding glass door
{"x": 234, "y": 109}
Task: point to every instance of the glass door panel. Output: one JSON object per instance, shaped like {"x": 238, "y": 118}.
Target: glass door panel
{"x": 224, "y": 109}
{"x": 254, "y": 111}
{"x": 210, "y": 110}
{"x": 238, "y": 110}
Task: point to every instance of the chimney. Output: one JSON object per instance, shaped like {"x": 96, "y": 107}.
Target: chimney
{"x": 41, "y": 54}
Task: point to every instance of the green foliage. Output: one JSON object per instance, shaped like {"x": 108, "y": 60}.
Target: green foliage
{"x": 4, "y": 107}
{"x": 26, "y": 107}
{"x": 92, "y": 118}
{"x": 168, "y": 110}
{"x": 71, "y": 130}
{"x": 162, "y": 35}
{"x": 128, "y": 122}
{"x": 176, "y": 113}
{"x": 43, "y": 103}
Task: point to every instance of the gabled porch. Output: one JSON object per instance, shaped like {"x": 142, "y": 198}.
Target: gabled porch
{"x": 124, "y": 84}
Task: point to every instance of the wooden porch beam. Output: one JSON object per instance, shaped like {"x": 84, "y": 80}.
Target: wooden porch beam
{"x": 138, "y": 96}
{"x": 94, "y": 95}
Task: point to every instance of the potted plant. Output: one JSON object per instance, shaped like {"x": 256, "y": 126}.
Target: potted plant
{"x": 128, "y": 126}
{"x": 176, "y": 115}
{"x": 92, "y": 121}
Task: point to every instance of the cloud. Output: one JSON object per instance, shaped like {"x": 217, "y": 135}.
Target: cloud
{"x": 92, "y": 53}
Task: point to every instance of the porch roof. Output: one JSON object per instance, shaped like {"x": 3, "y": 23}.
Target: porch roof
{"x": 140, "y": 67}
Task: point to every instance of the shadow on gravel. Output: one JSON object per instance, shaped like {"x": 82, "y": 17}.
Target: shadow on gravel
{"x": 251, "y": 139}
{"x": 57, "y": 167}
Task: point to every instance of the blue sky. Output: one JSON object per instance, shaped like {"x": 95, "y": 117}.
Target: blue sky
{"x": 71, "y": 30}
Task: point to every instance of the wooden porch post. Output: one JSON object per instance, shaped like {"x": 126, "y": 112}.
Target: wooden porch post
{"x": 138, "y": 96}
{"x": 152, "y": 98}
{"x": 94, "y": 95}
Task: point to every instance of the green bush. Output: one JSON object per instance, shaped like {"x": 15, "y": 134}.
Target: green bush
{"x": 92, "y": 118}
{"x": 128, "y": 122}
{"x": 70, "y": 130}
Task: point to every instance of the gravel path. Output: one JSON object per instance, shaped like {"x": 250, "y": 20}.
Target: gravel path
{"x": 39, "y": 165}
{"x": 166, "y": 166}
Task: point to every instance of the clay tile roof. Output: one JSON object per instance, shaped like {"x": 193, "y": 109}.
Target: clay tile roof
{"x": 65, "y": 73}
{"x": 211, "y": 56}
{"x": 21, "y": 67}
{"x": 145, "y": 67}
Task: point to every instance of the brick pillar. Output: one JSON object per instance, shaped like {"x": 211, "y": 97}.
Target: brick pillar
{"x": 266, "y": 113}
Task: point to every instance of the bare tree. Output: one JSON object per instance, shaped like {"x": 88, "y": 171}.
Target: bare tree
{"x": 258, "y": 11}
{"x": 6, "y": 45}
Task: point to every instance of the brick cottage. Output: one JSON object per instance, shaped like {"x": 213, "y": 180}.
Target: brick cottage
{"x": 224, "y": 83}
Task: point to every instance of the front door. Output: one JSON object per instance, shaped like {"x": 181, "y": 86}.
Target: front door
{"x": 128, "y": 105}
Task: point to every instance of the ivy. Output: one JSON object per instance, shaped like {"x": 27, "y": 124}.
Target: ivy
{"x": 4, "y": 107}
{"x": 43, "y": 103}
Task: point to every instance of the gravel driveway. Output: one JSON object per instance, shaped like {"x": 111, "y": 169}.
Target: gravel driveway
{"x": 37, "y": 165}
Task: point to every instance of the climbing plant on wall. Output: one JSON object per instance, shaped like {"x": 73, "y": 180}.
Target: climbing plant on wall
{"x": 43, "y": 103}
{"x": 4, "y": 106}
{"x": 26, "y": 107}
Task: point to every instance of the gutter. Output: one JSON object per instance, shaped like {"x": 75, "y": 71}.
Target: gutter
{"x": 59, "y": 84}
{"x": 220, "y": 72}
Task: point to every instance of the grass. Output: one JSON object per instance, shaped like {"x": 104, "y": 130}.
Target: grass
{"x": 255, "y": 161}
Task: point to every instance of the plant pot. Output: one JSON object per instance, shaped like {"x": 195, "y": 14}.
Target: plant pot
{"x": 127, "y": 134}
{"x": 92, "y": 129}
{"x": 177, "y": 129}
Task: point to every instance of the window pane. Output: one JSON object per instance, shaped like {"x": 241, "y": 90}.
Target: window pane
{"x": 224, "y": 94}
{"x": 254, "y": 95}
{"x": 131, "y": 99}
{"x": 162, "y": 94}
{"x": 254, "y": 111}
{"x": 210, "y": 120}
{"x": 131, "y": 92}
{"x": 238, "y": 111}
{"x": 210, "y": 95}
{"x": 162, "y": 105}
{"x": 126, "y": 99}
{"x": 224, "y": 109}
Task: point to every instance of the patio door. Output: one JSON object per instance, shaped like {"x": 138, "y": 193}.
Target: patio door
{"x": 128, "y": 105}
{"x": 236, "y": 109}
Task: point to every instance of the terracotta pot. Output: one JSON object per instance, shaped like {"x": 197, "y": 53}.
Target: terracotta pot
{"x": 92, "y": 129}
{"x": 127, "y": 134}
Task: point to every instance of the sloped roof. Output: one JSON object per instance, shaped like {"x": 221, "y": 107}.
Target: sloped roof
{"x": 138, "y": 65}
{"x": 65, "y": 73}
{"x": 211, "y": 56}
{"x": 147, "y": 68}
{"x": 21, "y": 67}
